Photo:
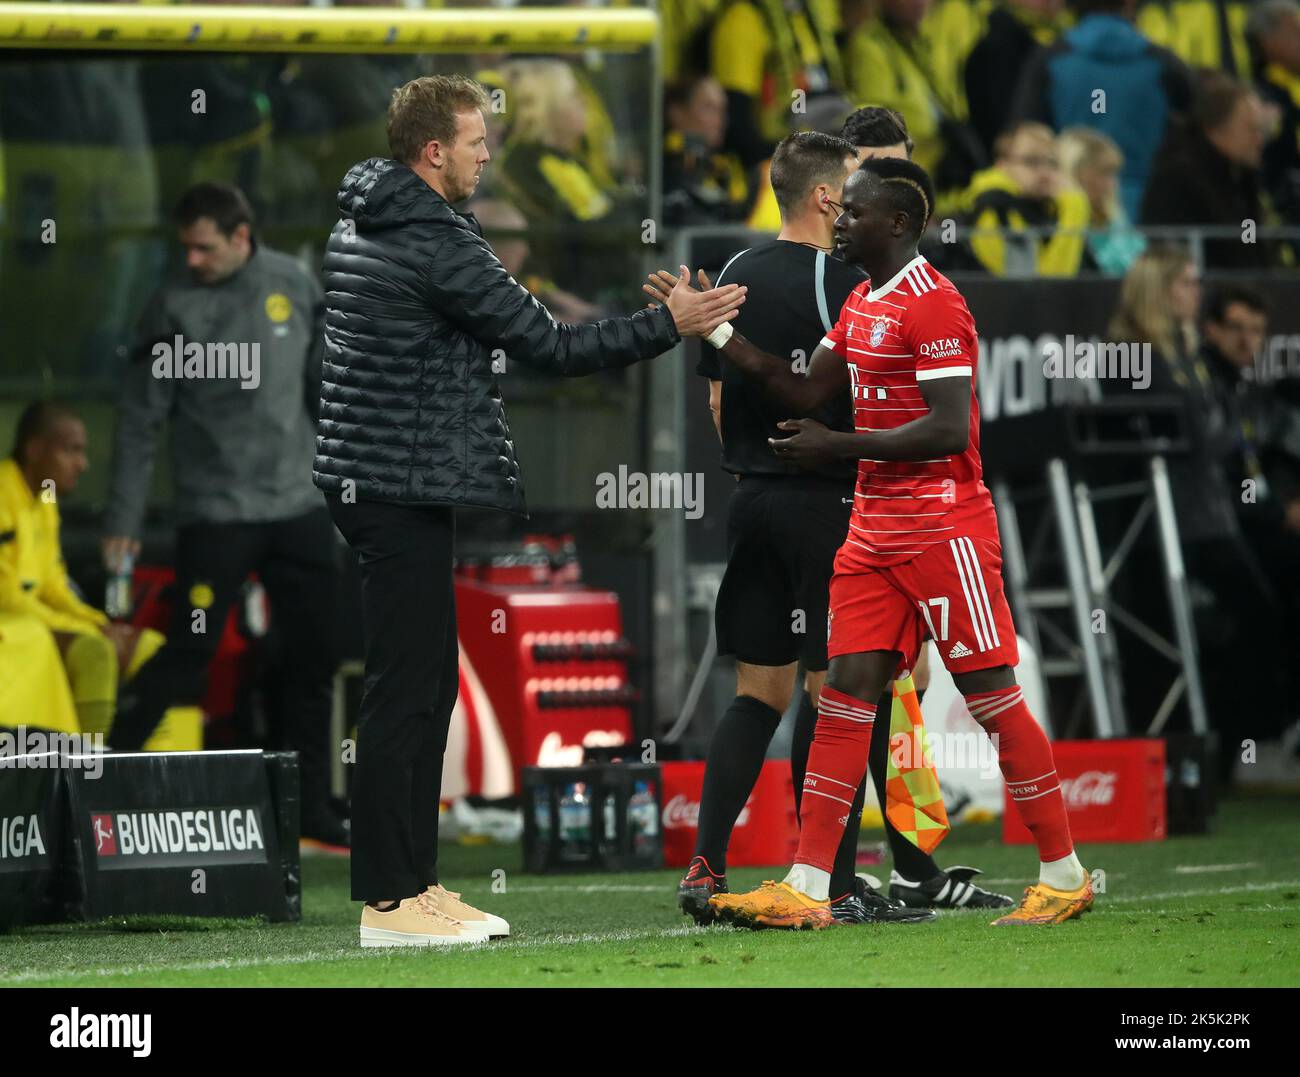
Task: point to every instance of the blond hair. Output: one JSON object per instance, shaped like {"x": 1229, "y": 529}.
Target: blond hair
{"x": 424, "y": 110}
{"x": 1081, "y": 148}
{"x": 1143, "y": 315}
{"x": 536, "y": 90}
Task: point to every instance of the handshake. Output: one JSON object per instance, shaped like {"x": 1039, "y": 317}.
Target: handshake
{"x": 696, "y": 313}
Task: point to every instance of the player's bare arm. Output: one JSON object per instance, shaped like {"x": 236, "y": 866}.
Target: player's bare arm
{"x": 943, "y": 431}
{"x": 799, "y": 393}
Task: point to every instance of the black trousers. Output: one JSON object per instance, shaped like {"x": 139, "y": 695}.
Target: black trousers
{"x": 295, "y": 560}
{"x": 412, "y": 677}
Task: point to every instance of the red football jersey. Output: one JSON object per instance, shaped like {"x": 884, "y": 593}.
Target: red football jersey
{"x": 912, "y": 328}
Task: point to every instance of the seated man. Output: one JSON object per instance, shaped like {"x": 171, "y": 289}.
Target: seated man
{"x": 40, "y": 613}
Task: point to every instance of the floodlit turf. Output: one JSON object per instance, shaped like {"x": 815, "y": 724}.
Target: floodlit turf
{"x": 1205, "y": 911}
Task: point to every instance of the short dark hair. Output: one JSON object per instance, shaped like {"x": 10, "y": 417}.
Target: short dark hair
{"x": 803, "y": 160}
{"x": 679, "y": 91}
{"x": 875, "y": 126}
{"x": 223, "y": 203}
{"x": 1216, "y": 305}
{"x": 1216, "y": 97}
{"x": 37, "y": 420}
{"x": 908, "y": 186}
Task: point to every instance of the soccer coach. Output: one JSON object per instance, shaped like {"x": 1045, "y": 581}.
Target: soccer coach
{"x": 412, "y": 425}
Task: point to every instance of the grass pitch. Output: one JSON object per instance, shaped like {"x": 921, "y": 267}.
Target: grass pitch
{"x": 1218, "y": 910}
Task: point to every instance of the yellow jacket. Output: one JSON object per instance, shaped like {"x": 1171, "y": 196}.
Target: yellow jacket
{"x": 33, "y": 579}
{"x": 1190, "y": 30}
{"x": 996, "y": 210}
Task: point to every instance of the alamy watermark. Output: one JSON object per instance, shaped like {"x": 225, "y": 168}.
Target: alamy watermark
{"x": 657, "y": 490}
{"x": 39, "y": 749}
{"x": 213, "y": 360}
{"x": 1104, "y": 359}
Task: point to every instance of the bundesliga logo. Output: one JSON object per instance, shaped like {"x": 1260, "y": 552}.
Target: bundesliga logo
{"x": 221, "y": 830}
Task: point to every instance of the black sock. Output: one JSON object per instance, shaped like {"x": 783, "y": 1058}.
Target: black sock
{"x": 914, "y": 865}
{"x": 846, "y": 856}
{"x": 735, "y": 759}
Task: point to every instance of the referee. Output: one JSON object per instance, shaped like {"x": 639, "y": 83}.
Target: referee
{"x": 783, "y": 530}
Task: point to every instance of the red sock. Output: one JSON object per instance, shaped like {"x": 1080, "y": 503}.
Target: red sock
{"x": 1025, "y": 756}
{"x": 836, "y": 762}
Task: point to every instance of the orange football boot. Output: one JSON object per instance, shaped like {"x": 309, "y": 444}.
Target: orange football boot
{"x": 773, "y": 905}
{"x": 1045, "y": 905}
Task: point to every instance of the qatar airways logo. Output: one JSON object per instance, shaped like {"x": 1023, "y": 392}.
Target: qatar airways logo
{"x": 1092, "y": 788}
{"x": 943, "y": 348}
{"x": 682, "y": 812}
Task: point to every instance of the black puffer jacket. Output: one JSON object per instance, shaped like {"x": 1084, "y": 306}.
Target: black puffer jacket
{"x": 418, "y": 307}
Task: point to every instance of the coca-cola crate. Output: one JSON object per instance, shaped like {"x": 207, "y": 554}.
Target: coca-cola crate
{"x": 1114, "y": 790}
{"x": 594, "y": 817}
{"x": 767, "y": 831}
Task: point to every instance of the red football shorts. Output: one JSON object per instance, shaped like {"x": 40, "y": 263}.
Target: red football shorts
{"x": 952, "y": 594}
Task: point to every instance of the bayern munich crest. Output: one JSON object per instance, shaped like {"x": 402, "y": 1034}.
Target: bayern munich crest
{"x": 878, "y": 331}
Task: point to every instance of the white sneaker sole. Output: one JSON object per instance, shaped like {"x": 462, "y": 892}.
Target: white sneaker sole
{"x": 378, "y": 936}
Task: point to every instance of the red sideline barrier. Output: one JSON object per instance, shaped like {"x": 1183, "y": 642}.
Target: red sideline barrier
{"x": 766, "y": 833}
{"x": 1114, "y": 791}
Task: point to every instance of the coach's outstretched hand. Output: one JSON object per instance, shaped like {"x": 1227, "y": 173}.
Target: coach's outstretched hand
{"x": 660, "y": 284}
{"x": 696, "y": 313}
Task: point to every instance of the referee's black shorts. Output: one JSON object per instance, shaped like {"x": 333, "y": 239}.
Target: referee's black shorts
{"x": 782, "y": 536}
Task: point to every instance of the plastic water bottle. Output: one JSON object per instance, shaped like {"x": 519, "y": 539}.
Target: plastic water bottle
{"x": 117, "y": 594}
{"x": 644, "y": 817}
{"x": 611, "y": 822}
{"x": 542, "y": 814}
{"x": 575, "y": 820}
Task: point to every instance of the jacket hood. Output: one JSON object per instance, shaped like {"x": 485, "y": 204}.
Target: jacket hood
{"x": 1108, "y": 38}
{"x": 383, "y": 193}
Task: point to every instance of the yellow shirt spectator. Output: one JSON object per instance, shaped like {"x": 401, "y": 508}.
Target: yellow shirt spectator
{"x": 33, "y": 579}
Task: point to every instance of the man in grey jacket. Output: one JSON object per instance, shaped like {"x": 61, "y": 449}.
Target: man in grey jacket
{"x": 230, "y": 358}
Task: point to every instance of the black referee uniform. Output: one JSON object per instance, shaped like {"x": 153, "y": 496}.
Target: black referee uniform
{"x": 784, "y": 527}
{"x": 784, "y": 523}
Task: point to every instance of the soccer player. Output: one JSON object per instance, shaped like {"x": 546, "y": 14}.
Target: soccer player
{"x": 922, "y": 551}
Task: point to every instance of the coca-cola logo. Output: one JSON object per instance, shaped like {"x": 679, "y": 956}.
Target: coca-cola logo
{"x": 1091, "y": 788}
{"x": 681, "y": 811}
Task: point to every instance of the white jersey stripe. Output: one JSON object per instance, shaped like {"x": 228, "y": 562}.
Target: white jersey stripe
{"x": 975, "y": 621}
{"x": 931, "y": 373}
{"x": 984, "y": 595}
{"x": 967, "y": 553}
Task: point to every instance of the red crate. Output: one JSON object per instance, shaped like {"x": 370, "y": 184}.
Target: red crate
{"x": 767, "y": 831}
{"x": 553, "y": 666}
{"x": 1114, "y": 791}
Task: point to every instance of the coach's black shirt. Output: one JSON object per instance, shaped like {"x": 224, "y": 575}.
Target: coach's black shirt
{"x": 795, "y": 296}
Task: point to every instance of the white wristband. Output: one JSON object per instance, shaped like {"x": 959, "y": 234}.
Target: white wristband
{"x": 720, "y": 335}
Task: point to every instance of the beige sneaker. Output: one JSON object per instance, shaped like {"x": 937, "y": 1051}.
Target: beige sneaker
{"x": 414, "y": 922}
{"x": 449, "y": 904}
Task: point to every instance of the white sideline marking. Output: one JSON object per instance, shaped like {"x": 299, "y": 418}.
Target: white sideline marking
{"x": 1200, "y": 869}
{"x": 353, "y": 952}
{"x": 593, "y": 888}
